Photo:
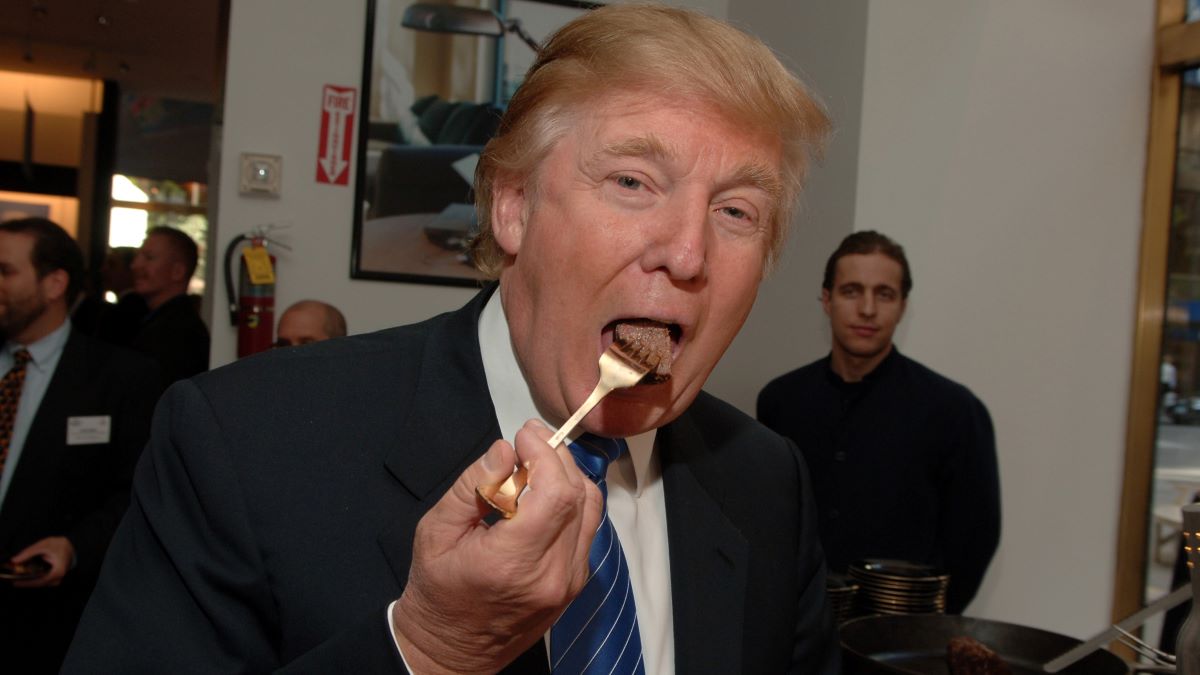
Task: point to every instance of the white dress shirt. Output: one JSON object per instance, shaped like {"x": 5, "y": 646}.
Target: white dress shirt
{"x": 44, "y": 355}
{"x": 636, "y": 505}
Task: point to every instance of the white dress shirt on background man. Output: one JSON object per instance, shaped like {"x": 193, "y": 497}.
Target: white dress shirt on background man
{"x": 44, "y": 355}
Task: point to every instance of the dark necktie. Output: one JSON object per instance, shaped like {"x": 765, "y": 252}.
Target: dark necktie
{"x": 598, "y": 632}
{"x": 10, "y": 396}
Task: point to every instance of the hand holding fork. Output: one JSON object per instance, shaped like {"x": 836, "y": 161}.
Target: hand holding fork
{"x": 621, "y": 365}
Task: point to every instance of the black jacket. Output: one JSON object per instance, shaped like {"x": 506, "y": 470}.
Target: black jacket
{"x": 176, "y": 337}
{"x": 274, "y": 513}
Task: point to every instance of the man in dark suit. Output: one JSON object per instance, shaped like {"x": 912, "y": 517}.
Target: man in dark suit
{"x": 67, "y": 452}
{"x": 121, "y": 320}
{"x": 172, "y": 331}
{"x": 118, "y": 320}
{"x": 314, "y": 509}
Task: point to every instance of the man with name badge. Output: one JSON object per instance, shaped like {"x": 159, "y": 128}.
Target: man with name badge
{"x": 74, "y": 415}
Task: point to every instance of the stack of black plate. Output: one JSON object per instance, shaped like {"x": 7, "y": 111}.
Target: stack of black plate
{"x": 898, "y": 587}
{"x": 841, "y": 591}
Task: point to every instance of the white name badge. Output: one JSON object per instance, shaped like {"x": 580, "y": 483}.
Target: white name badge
{"x": 89, "y": 430}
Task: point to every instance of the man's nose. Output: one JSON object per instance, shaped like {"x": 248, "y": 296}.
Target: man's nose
{"x": 867, "y": 306}
{"x": 679, "y": 243}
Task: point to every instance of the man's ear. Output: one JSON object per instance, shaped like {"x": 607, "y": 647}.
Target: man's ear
{"x": 179, "y": 271}
{"x": 54, "y": 285}
{"x": 825, "y": 300}
{"x": 508, "y": 214}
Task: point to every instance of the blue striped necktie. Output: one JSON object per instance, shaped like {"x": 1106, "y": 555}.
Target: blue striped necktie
{"x": 598, "y": 632}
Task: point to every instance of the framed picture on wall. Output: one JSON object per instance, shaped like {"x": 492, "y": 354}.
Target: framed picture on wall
{"x": 436, "y": 79}
{"x": 62, "y": 210}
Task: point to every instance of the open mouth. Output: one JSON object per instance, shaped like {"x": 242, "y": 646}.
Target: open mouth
{"x": 660, "y": 338}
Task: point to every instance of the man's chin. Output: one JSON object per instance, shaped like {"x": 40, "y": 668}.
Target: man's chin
{"x": 866, "y": 351}
{"x": 624, "y": 416}
{"x": 13, "y": 326}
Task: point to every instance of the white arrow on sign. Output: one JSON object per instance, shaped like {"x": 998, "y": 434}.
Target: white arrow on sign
{"x": 338, "y": 106}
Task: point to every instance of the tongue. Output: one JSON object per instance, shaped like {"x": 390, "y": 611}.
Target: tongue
{"x": 652, "y": 334}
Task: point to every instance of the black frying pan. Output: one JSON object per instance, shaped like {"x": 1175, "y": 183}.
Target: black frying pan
{"x": 917, "y": 644}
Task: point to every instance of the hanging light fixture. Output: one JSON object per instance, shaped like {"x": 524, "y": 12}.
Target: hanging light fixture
{"x": 103, "y": 22}
{"x": 463, "y": 21}
{"x": 37, "y": 12}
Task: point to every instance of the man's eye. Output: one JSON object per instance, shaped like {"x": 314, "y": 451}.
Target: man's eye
{"x": 629, "y": 182}
{"x": 735, "y": 212}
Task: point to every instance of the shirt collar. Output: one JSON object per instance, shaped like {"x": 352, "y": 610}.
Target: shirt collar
{"x": 41, "y": 351}
{"x": 884, "y": 366}
{"x": 511, "y": 397}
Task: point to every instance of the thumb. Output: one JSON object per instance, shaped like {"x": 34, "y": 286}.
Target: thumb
{"x": 461, "y": 507}
{"x": 28, "y": 553}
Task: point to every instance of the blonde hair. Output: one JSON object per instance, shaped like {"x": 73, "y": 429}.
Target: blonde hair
{"x": 651, "y": 48}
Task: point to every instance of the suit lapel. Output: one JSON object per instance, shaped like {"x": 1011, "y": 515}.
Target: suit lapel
{"x": 45, "y": 443}
{"x": 708, "y": 555}
{"x": 449, "y": 423}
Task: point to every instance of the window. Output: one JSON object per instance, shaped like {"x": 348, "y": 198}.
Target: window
{"x": 1166, "y": 360}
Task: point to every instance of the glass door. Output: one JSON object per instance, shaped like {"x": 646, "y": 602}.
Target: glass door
{"x": 1176, "y": 477}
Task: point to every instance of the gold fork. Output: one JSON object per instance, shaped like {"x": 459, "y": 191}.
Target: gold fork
{"x": 621, "y": 365}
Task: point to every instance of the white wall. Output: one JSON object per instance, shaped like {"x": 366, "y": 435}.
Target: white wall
{"x": 1001, "y": 142}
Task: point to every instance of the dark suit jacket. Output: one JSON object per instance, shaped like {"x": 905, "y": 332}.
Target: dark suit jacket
{"x": 273, "y": 517}
{"x": 120, "y": 323}
{"x": 176, "y": 337}
{"x": 76, "y": 491}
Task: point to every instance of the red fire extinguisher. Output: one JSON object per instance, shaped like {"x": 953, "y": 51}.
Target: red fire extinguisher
{"x": 252, "y": 310}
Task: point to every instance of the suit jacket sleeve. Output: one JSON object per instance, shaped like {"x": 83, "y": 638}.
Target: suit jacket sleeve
{"x": 970, "y": 509}
{"x": 184, "y": 588}
{"x": 181, "y": 351}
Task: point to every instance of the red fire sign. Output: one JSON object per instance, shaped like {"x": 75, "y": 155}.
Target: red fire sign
{"x": 337, "y": 132}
